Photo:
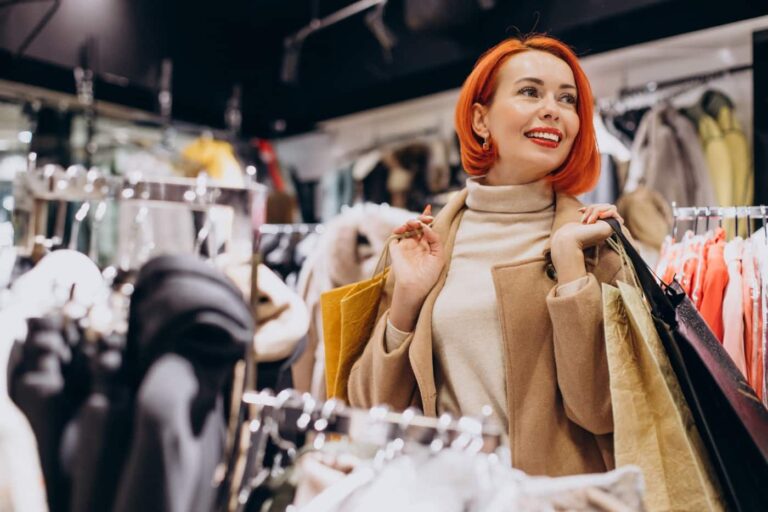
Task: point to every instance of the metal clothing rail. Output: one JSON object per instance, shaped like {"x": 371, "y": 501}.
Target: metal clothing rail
{"x": 279, "y": 229}
{"x": 51, "y": 189}
{"x": 702, "y": 77}
{"x": 78, "y": 184}
{"x": 378, "y": 425}
{"x": 705, "y": 213}
{"x": 719, "y": 212}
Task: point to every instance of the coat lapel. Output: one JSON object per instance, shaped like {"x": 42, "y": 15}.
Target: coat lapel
{"x": 420, "y": 353}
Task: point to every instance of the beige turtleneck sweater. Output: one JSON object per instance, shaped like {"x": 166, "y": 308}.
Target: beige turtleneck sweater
{"x": 502, "y": 224}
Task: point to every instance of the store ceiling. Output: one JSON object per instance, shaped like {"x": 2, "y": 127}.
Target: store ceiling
{"x": 343, "y": 69}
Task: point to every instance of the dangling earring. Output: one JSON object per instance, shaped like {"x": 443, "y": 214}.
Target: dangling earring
{"x": 486, "y": 144}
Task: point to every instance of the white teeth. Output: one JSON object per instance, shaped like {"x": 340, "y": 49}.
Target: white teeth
{"x": 543, "y": 135}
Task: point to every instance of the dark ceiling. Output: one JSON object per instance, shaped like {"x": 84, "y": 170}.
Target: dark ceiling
{"x": 343, "y": 69}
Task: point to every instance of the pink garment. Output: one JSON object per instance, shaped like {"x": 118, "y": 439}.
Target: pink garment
{"x": 701, "y": 268}
{"x": 664, "y": 256}
{"x": 733, "y": 306}
{"x": 752, "y": 317}
{"x": 758, "y": 330}
{"x": 670, "y": 263}
{"x": 690, "y": 263}
{"x": 714, "y": 285}
{"x": 748, "y": 283}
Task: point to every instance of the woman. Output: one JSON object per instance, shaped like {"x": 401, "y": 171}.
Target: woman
{"x": 499, "y": 302}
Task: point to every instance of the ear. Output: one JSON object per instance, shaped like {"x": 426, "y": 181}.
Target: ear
{"x": 480, "y": 120}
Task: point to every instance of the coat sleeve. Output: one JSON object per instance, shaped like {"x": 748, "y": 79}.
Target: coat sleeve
{"x": 380, "y": 376}
{"x": 580, "y": 356}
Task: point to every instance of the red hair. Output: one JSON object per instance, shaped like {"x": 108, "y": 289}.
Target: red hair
{"x": 581, "y": 170}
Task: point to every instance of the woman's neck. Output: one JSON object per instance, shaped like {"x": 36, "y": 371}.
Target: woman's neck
{"x": 499, "y": 177}
{"x": 524, "y": 198}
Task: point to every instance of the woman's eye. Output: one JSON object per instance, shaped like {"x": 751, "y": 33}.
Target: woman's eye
{"x": 570, "y": 99}
{"x": 529, "y": 91}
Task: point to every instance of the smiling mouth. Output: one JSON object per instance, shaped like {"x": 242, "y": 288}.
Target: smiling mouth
{"x": 537, "y": 135}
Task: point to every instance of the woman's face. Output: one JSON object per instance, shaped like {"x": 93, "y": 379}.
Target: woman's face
{"x": 532, "y": 118}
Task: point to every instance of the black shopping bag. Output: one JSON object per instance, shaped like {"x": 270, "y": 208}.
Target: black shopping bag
{"x": 732, "y": 421}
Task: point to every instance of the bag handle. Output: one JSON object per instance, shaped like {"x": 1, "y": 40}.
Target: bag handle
{"x": 655, "y": 293}
{"x": 384, "y": 256}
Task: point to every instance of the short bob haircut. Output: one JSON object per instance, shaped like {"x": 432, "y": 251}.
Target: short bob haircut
{"x": 581, "y": 170}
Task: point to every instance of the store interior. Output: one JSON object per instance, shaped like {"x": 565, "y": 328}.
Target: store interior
{"x": 185, "y": 186}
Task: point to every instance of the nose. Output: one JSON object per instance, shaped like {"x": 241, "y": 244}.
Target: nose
{"x": 549, "y": 108}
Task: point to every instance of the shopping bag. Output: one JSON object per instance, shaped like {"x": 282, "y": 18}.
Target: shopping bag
{"x": 349, "y": 314}
{"x": 653, "y": 426}
{"x": 731, "y": 420}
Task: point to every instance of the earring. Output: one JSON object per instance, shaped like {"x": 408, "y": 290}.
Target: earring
{"x": 486, "y": 144}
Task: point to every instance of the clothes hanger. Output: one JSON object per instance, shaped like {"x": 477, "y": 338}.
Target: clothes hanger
{"x": 696, "y": 215}
{"x": 80, "y": 216}
{"x": 609, "y": 143}
{"x": 674, "y": 225}
{"x": 268, "y": 428}
{"x": 204, "y": 235}
{"x": 96, "y": 222}
{"x": 708, "y": 214}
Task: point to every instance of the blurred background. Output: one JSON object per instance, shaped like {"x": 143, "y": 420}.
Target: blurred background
{"x": 302, "y": 132}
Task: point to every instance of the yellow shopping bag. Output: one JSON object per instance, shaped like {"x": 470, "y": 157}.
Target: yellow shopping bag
{"x": 349, "y": 315}
{"x": 653, "y": 426}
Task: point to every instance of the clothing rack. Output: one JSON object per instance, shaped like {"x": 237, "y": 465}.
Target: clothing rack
{"x": 701, "y": 77}
{"x": 376, "y": 426}
{"x": 22, "y": 93}
{"x": 696, "y": 213}
{"x": 628, "y": 96}
{"x": 79, "y": 184}
{"x": 722, "y": 212}
{"x": 287, "y": 229}
{"x": 407, "y": 136}
{"x": 394, "y": 140}
{"x": 39, "y": 189}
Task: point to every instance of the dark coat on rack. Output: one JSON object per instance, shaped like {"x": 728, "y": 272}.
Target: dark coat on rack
{"x": 188, "y": 325}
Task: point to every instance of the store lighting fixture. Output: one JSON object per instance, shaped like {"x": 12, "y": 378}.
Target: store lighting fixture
{"x": 375, "y": 22}
{"x": 293, "y": 43}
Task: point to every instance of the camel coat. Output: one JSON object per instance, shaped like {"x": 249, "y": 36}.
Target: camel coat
{"x": 559, "y": 404}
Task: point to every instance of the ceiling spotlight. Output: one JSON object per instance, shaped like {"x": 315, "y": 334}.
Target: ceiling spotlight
{"x": 375, "y": 22}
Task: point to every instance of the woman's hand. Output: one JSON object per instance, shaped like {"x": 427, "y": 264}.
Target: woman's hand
{"x": 569, "y": 242}
{"x": 418, "y": 258}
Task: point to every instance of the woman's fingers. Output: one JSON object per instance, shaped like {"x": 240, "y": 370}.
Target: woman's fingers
{"x": 609, "y": 214}
{"x": 590, "y": 214}
{"x": 426, "y": 219}
{"x": 410, "y": 225}
{"x": 399, "y": 230}
{"x": 432, "y": 239}
{"x": 413, "y": 226}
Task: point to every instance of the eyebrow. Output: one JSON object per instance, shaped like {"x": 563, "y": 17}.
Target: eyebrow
{"x": 541, "y": 82}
